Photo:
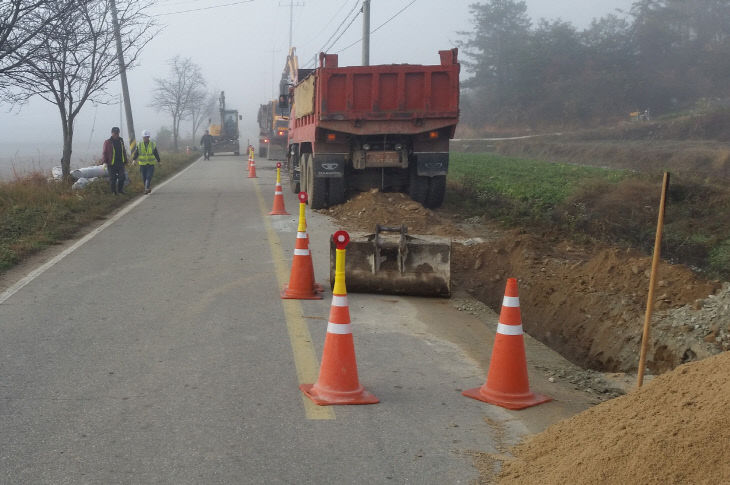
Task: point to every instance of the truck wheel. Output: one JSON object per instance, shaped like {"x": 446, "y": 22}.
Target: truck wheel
{"x": 436, "y": 192}
{"x": 304, "y": 172}
{"x": 336, "y": 191}
{"x": 316, "y": 187}
{"x": 293, "y": 184}
{"x": 417, "y": 186}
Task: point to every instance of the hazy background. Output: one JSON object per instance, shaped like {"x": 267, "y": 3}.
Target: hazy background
{"x": 241, "y": 48}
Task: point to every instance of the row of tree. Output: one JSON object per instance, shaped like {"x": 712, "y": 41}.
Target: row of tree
{"x": 183, "y": 95}
{"x": 661, "y": 54}
{"x": 65, "y": 52}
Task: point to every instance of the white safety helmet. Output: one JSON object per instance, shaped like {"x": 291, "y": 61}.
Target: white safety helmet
{"x": 145, "y": 133}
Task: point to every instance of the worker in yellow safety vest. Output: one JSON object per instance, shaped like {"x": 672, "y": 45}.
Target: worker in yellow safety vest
{"x": 147, "y": 156}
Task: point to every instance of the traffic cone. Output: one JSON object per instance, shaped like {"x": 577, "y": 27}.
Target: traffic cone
{"x": 250, "y": 157}
{"x": 507, "y": 383}
{"x": 278, "y": 207}
{"x": 338, "y": 382}
{"x": 251, "y": 168}
{"x": 301, "y": 279}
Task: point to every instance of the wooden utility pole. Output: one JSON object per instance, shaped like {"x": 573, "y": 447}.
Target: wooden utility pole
{"x": 123, "y": 75}
{"x": 652, "y": 281}
{"x": 365, "y": 32}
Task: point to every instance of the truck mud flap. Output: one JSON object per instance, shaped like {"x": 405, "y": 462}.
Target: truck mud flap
{"x": 329, "y": 165}
{"x": 391, "y": 261}
{"x": 430, "y": 164}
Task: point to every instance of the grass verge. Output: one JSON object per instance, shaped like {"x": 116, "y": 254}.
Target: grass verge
{"x": 609, "y": 205}
{"x": 36, "y": 212}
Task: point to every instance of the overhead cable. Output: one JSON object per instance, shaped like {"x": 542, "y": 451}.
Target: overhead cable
{"x": 379, "y": 26}
{"x": 208, "y": 8}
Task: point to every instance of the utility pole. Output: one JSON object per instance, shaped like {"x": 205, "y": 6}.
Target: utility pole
{"x": 365, "y": 32}
{"x": 123, "y": 74}
{"x": 291, "y": 6}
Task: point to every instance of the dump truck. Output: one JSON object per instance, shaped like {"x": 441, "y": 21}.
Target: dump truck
{"x": 273, "y": 122}
{"x": 361, "y": 127}
{"x": 225, "y": 134}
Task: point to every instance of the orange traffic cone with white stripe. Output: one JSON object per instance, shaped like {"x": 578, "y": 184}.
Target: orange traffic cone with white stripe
{"x": 507, "y": 383}
{"x": 301, "y": 279}
{"x": 278, "y": 208}
{"x": 251, "y": 167}
{"x": 338, "y": 382}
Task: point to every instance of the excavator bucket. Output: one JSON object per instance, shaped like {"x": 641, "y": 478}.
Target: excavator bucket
{"x": 392, "y": 261}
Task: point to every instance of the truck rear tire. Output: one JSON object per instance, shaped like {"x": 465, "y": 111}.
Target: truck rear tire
{"x": 336, "y": 191}
{"x": 417, "y": 186}
{"x": 436, "y": 192}
{"x": 316, "y": 187}
{"x": 294, "y": 185}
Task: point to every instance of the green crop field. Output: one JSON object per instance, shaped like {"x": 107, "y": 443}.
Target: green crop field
{"x": 609, "y": 205}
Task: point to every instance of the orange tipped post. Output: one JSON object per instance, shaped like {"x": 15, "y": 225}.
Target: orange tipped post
{"x": 338, "y": 382}
{"x": 278, "y": 208}
{"x": 301, "y": 279}
{"x": 507, "y": 382}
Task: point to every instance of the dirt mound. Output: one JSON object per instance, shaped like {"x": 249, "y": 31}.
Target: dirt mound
{"x": 365, "y": 210}
{"x": 586, "y": 302}
{"x": 675, "y": 429}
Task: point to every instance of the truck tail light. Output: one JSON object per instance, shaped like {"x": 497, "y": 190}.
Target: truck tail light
{"x": 281, "y": 133}
{"x": 433, "y": 134}
{"x": 331, "y": 137}
{"x": 266, "y": 140}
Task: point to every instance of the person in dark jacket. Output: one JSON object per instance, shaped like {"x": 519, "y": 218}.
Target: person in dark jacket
{"x": 114, "y": 155}
{"x": 207, "y": 143}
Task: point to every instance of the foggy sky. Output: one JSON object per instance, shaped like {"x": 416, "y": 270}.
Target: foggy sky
{"x": 242, "y": 50}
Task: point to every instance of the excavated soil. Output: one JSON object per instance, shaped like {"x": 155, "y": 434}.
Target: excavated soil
{"x": 586, "y": 302}
{"x": 675, "y": 429}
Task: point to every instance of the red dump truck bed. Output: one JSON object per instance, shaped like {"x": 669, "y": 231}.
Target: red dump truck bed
{"x": 416, "y": 97}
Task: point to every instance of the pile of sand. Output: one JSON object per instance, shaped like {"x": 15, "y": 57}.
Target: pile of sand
{"x": 675, "y": 429}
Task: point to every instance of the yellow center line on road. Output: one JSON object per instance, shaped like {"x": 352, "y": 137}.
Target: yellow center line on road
{"x": 305, "y": 358}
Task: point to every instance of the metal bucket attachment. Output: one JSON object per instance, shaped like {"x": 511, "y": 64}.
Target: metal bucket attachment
{"x": 390, "y": 261}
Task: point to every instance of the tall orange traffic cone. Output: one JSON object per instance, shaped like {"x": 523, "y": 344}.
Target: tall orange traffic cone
{"x": 301, "y": 279}
{"x": 251, "y": 168}
{"x": 278, "y": 208}
{"x": 338, "y": 382}
{"x": 507, "y": 383}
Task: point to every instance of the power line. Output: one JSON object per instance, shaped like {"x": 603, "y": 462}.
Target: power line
{"x": 378, "y": 27}
{"x": 208, "y": 8}
{"x": 327, "y": 43}
{"x": 342, "y": 5}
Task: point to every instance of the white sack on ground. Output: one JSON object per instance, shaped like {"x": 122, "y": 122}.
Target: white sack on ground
{"x": 90, "y": 172}
{"x": 57, "y": 172}
{"x": 80, "y": 183}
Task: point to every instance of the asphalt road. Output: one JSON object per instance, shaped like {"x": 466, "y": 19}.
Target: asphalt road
{"x": 158, "y": 351}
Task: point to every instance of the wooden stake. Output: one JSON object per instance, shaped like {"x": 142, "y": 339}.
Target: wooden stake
{"x": 652, "y": 281}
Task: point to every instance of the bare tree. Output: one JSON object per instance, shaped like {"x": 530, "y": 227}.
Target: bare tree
{"x": 177, "y": 94}
{"x": 75, "y": 58}
{"x": 21, "y": 22}
{"x": 202, "y": 109}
